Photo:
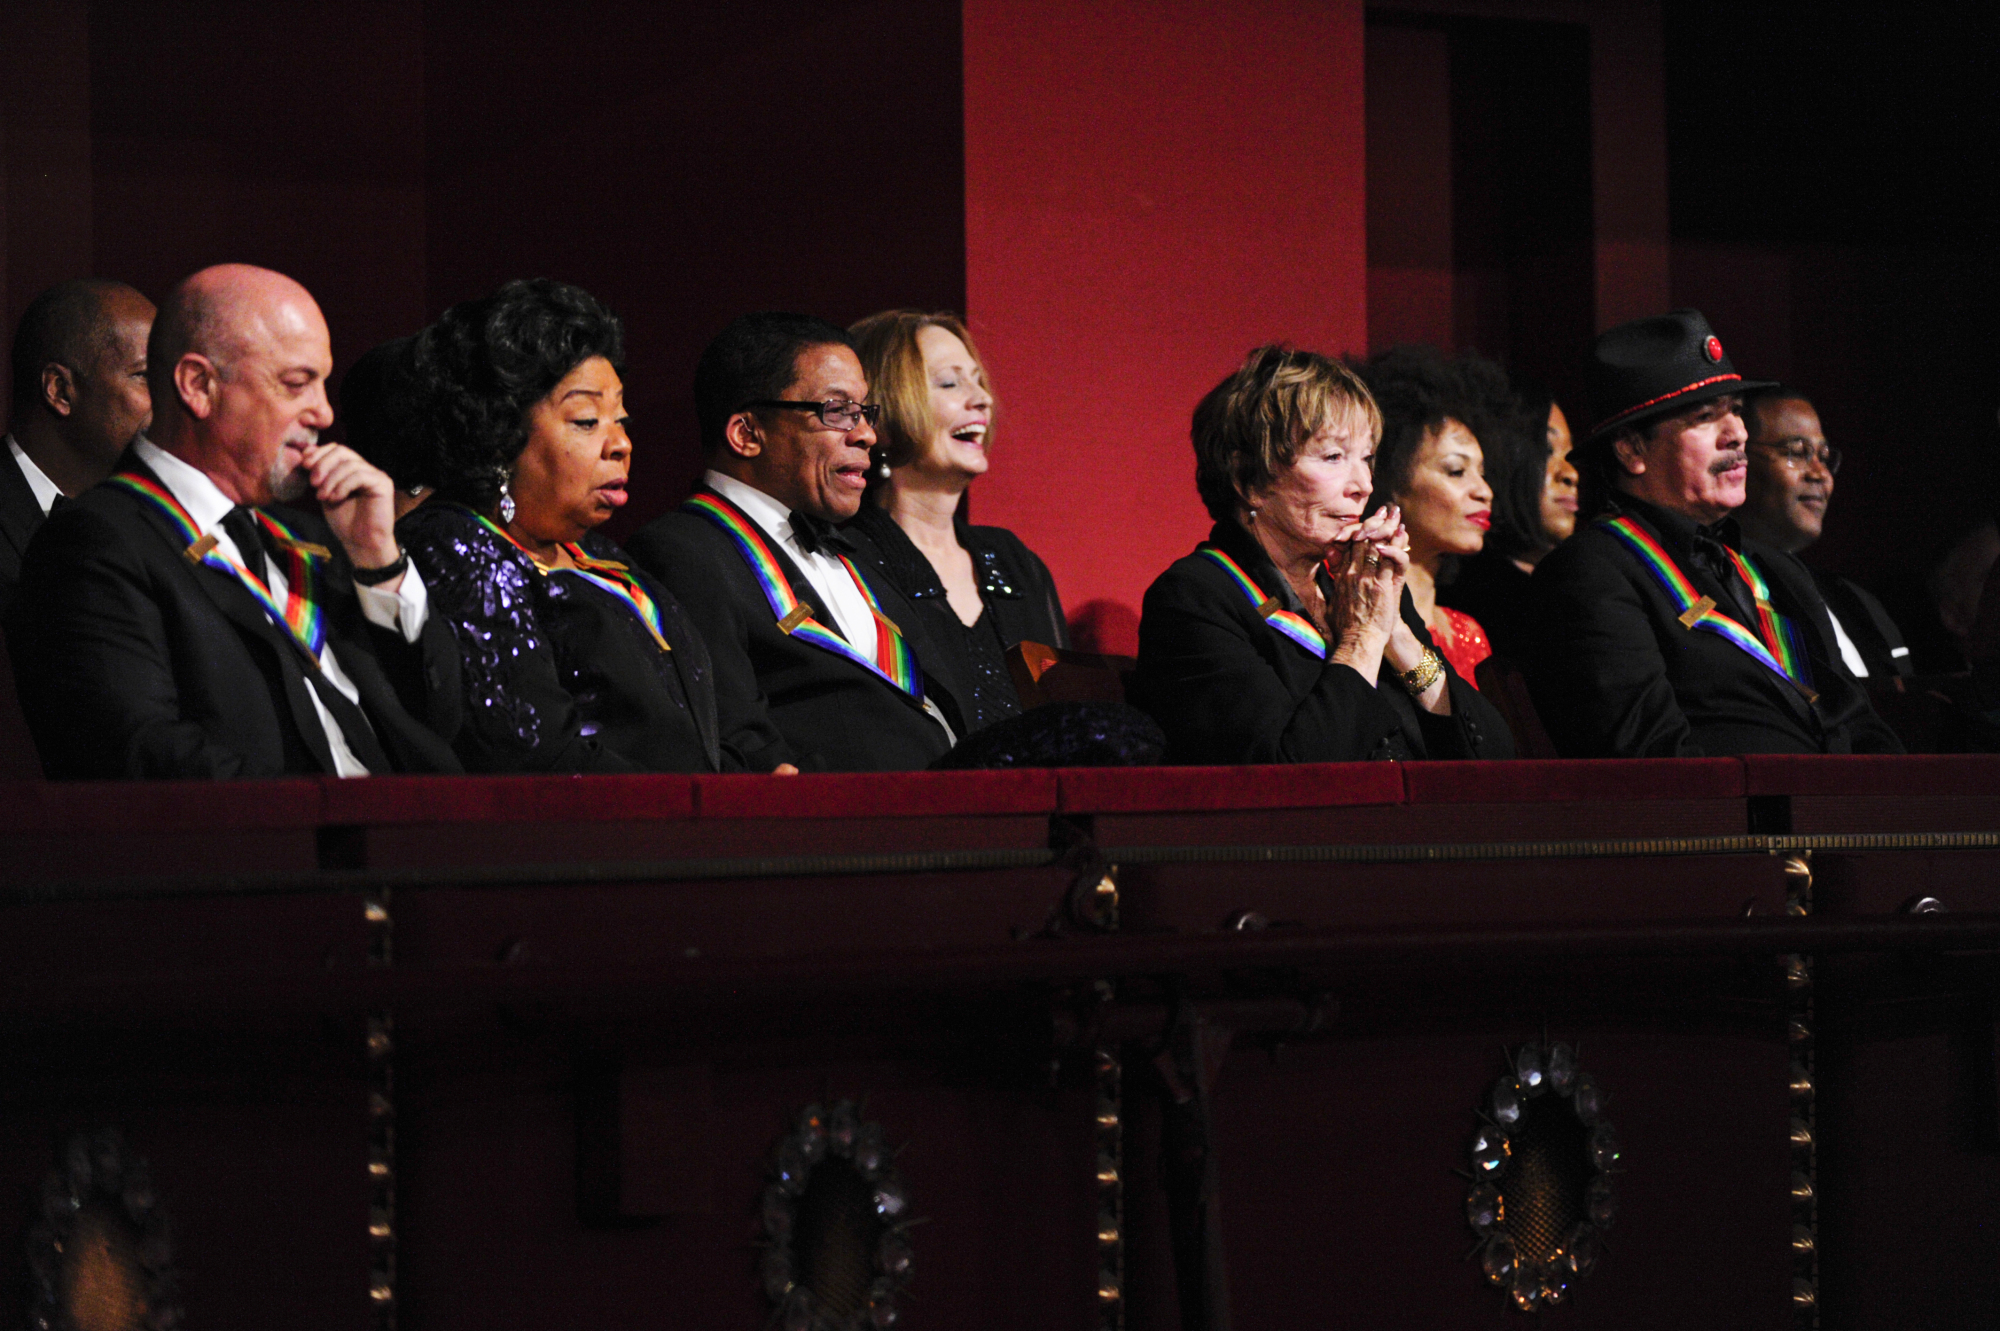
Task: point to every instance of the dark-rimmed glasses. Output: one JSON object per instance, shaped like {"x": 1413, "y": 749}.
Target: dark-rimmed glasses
{"x": 836, "y": 414}
{"x": 1799, "y": 453}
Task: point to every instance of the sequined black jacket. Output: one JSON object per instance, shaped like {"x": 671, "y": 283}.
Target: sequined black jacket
{"x": 557, "y": 674}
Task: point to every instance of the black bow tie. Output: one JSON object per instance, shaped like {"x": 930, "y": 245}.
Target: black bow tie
{"x": 814, "y": 534}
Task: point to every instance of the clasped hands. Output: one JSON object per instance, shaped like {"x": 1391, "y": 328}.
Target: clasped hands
{"x": 1368, "y": 562}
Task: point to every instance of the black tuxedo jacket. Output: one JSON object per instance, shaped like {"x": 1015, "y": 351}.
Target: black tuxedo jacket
{"x": 1868, "y": 626}
{"x": 134, "y": 662}
{"x": 1226, "y": 687}
{"x": 815, "y": 708}
{"x": 1615, "y": 675}
{"x": 19, "y": 516}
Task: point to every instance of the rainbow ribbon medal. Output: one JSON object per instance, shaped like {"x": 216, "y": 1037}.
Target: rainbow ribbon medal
{"x": 893, "y": 659}
{"x": 301, "y": 616}
{"x": 607, "y": 575}
{"x": 1293, "y": 625}
{"x": 1781, "y": 650}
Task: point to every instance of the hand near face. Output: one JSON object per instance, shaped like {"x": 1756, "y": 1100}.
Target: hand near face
{"x": 357, "y": 500}
{"x": 1368, "y": 564}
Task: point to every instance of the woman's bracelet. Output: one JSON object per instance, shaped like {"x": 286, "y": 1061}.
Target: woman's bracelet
{"x": 1428, "y": 672}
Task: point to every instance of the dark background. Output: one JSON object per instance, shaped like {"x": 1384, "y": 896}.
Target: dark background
{"x": 1831, "y": 177}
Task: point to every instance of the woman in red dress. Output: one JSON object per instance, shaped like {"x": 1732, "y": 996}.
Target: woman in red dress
{"x": 1431, "y": 466}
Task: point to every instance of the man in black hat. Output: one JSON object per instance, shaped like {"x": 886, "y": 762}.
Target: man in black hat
{"x": 1660, "y": 632}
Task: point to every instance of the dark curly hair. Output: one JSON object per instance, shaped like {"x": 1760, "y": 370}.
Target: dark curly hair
{"x": 483, "y": 365}
{"x": 381, "y": 413}
{"x": 1418, "y": 388}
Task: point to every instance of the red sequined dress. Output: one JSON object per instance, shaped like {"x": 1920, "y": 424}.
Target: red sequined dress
{"x": 1463, "y": 642}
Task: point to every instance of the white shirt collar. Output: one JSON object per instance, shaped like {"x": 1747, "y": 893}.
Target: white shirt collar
{"x": 46, "y": 490}
{"x": 763, "y": 510}
{"x": 200, "y": 496}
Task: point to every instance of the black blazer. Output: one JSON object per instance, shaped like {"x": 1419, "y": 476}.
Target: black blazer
{"x": 786, "y": 699}
{"x": 1016, "y": 585}
{"x": 1868, "y": 626}
{"x": 133, "y": 662}
{"x": 1614, "y": 674}
{"x": 1228, "y": 688}
{"x": 558, "y": 675}
{"x": 20, "y": 514}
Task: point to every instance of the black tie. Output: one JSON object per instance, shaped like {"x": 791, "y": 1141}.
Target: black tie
{"x": 814, "y": 534}
{"x": 252, "y": 540}
{"x": 57, "y": 503}
{"x": 1709, "y": 552}
{"x": 248, "y": 533}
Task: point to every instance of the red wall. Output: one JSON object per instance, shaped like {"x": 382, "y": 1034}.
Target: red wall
{"x": 1150, "y": 191}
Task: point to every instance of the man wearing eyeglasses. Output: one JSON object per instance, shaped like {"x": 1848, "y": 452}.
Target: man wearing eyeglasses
{"x": 808, "y": 649}
{"x": 1788, "y": 488}
{"x": 1660, "y": 630}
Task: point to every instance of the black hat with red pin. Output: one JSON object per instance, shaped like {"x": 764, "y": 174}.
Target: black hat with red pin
{"x": 1649, "y": 368}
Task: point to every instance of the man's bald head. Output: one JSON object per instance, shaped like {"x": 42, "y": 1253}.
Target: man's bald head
{"x": 239, "y": 359}
{"x": 219, "y": 313}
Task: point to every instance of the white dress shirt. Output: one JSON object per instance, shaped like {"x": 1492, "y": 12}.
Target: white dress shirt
{"x": 834, "y": 590}
{"x": 404, "y": 609}
{"x": 837, "y": 594}
{"x": 1848, "y": 651}
{"x": 46, "y": 490}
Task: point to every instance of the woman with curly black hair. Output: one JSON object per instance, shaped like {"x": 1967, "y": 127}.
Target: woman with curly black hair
{"x": 572, "y": 660}
{"x": 1432, "y": 466}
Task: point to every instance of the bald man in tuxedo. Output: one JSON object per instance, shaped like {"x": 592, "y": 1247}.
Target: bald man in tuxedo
{"x": 178, "y": 621}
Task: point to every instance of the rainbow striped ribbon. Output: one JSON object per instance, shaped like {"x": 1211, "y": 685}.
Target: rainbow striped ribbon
{"x": 301, "y": 616}
{"x": 1293, "y": 625}
{"x": 893, "y": 661}
{"x": 1778, "y": 631}
{"x": 607, "y": 575}
{"x": 1783, "y": 654}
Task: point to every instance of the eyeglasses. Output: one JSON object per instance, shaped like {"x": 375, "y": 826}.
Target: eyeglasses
{"x": 837, "y": 414}
{"x": 1798, "y": 453}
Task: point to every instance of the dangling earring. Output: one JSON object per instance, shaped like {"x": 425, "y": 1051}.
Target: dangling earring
{"x": 506, "y": 496}
{"x": 881, "y": 464}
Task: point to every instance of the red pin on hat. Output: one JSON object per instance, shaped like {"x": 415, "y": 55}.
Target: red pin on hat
{"x": 1712, "y": 348}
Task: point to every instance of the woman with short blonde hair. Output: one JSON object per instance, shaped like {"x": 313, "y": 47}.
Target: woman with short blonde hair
{"x": 1288, "y": 635}
{"x": 982, "y": 588}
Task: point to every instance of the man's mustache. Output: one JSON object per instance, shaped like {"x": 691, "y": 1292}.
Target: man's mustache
{"x": 1728, "y": 462}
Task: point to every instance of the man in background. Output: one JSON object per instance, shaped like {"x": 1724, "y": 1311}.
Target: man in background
{"x": 79, "y": 370}
{"x": 1788, "y": 490}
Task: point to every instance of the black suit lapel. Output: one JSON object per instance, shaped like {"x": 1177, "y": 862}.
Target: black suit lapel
{"x": 1705, "y": 583}
{"x": 700, "y": 693}
{"x": 808, "y": 591}
{"x": 1795, "y": 595}
{"x": 20, "y": 514}
{"x": 235, "y": 602}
